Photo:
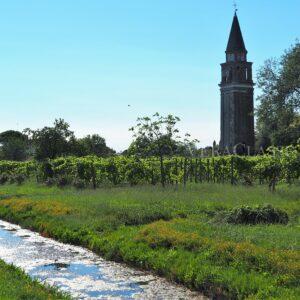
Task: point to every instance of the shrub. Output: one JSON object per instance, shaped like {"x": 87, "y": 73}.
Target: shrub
{"x": 160, "y": 234}
{"x": 138, "y": 216}
{"x": 261, "y": 214}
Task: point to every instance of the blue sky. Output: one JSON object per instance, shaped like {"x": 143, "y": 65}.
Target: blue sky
{"x": 86, "y": 60}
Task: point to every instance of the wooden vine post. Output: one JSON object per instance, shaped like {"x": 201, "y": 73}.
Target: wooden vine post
{"x": 231, "y": 170}
{"x": 185, "y": 172}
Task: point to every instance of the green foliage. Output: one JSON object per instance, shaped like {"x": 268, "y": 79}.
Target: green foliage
{"x": 45, "y": 169}
{"x": 159, "y": 137}
{"x": 17, "y": 178}
{"x": 51, "y": 142}
{"x": 278, "y": 119}
{"x": 15, "y": 284}
{"x": 91, "y": 145}
{"x": 278, "y": 165}
{"x": 13, "y": 145}
{"x": 257, "y": 215}
{"x": 155, "y": 136}
{"x": 220, "y": 259}
{"x": 4, "y": 178}
{"x": 59, "y": 140}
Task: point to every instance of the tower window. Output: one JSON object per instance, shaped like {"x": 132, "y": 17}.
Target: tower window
{"x": 230, "y": 57}
{"x": 240, "y": 56}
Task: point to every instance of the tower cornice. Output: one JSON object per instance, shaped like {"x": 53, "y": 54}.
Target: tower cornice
{"x": 236, "y": 86}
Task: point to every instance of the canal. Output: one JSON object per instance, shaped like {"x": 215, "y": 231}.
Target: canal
{"x": 80, "y": 272}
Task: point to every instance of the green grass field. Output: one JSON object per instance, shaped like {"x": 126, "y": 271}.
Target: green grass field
{"x": 179, "y": 234}
{"x": 14, "y": 284}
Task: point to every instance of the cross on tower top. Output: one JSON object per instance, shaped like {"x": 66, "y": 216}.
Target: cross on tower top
{"x": 235, "y": 7}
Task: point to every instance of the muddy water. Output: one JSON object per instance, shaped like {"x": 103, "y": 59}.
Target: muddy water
{"x": 80, "y": 272}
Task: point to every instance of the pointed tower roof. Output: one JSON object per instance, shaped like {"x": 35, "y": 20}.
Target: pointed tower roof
{"x": 235, "y": 41}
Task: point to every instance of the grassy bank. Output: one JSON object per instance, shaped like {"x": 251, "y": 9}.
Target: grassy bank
{"x": 180, "y": 234}
{"x": 15, "y": 284}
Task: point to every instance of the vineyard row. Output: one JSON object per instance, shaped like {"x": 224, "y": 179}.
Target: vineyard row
{"x": 280, "y": 165}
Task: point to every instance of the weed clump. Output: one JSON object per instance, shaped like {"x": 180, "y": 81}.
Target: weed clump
{"x": 137, "y": 216}
{"x": 257, "y": 215}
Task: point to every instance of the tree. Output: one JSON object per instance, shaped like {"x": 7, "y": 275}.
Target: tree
{"x": 51, "y": 142}
{"x": 156, "y": 136}
{"x": 142, "y": 147}
{"x": 13, "y": 145}
{"x": 278, "y": 111}
{"x": 91, "y": 145}
{"x": 187, "y": 147}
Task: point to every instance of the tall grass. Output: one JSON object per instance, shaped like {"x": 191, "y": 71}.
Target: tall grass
{"x": 174, "y": 232}
{"x": 15, "y": 285}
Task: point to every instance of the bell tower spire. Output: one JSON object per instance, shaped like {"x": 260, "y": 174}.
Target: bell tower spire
{"x": 235, "y": 41}
{"x": 237, "y": 116}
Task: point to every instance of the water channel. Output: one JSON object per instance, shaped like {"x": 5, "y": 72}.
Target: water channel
{"x": 79, "y": 271}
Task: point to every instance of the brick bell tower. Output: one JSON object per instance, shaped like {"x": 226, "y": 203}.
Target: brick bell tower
{"x": 237, "y": 113}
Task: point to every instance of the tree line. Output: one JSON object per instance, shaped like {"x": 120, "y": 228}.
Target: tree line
{"x": 50, "y": 142}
